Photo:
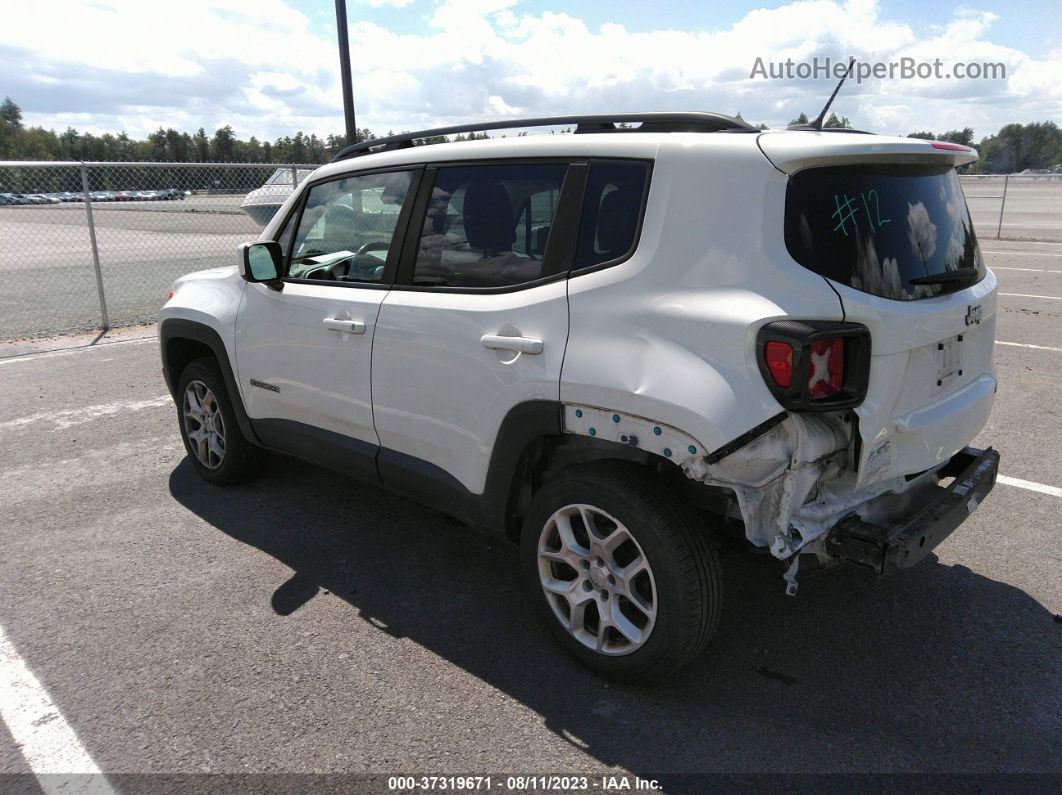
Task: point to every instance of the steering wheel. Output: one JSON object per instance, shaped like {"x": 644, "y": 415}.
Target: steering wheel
{"x": 372, "y": 245}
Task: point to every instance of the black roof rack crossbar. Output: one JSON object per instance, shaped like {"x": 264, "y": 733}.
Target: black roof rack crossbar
{"x": 602, "y": 122}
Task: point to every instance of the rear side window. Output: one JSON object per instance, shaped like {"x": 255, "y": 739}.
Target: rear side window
{"x": 612, "y": 210}
{"x": 487, "y": 226}
{"x": 878, "y": 228}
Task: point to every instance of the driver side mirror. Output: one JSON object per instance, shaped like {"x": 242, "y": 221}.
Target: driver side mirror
{"x": 261, "y": 262}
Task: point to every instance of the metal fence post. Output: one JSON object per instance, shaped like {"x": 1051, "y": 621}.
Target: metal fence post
{"x": 1002, "y": 204}
{"x": 294, "y": 178}
{"x": 95, "y": 249}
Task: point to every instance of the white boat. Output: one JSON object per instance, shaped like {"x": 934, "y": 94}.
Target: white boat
{"x": 262, "y": 203}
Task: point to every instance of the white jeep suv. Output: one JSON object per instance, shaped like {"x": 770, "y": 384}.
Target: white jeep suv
{"x": 621, "y": 347}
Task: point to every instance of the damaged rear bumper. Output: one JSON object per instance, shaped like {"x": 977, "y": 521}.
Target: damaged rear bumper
{"x": 888, "y": 549}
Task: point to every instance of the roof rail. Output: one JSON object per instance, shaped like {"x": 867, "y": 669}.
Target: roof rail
{"x": 601, "y": 122}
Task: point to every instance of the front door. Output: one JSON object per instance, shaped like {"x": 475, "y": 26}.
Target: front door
{"x": 304, "y": 352}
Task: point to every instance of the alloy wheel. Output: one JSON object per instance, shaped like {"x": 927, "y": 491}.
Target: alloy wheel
{"x": 597, "y": 580}
{"x": 204, "y": 424}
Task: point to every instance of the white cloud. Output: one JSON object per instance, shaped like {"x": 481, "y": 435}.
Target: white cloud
{"x": 258, "y": 65}
{"x": 382, "y": 3}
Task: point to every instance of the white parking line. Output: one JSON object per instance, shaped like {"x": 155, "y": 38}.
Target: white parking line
{"x": 1023, "y": 243}
{"x": 1026, "y": 295}
{"x": 1027, "y": 345}
{"x": 1054, "y": 491}
{"x": 68, "y": 351}
{"x": 1035, "y": 270}
{"x": 48, "y": 744}
{"x": 67, "y": 417}
{"x": 1022, "y": 253}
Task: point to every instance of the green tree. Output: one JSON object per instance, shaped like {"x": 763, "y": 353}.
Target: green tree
{"x": 965, "y": 136}
{"x": 10, "y": 129}
{"x": 201, "y": 145}
{"x": 223, "y": 145}
{"x": 837, "y": 123}
{"x": 11, "y": 113}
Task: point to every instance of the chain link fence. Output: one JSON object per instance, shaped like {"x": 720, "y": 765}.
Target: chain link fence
{"x": 95, "y": 245}
{"x": 1015, "y": 206}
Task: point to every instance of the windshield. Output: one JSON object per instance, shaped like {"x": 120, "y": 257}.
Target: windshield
{"x": 878, "y": 227}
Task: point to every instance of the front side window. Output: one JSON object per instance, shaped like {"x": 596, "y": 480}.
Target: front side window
{"x": 611, "y": 216}
{"x": 896, "y": 231}
{"x": 348, "y": 226}
{"x": 487, "y": 226}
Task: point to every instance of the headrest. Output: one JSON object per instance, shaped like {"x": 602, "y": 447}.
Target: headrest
{"x": 617, "y": 220}
{"x": 488, "y": 216}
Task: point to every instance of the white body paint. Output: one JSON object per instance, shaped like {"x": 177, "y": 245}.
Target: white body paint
{"x": 665, "y": 338}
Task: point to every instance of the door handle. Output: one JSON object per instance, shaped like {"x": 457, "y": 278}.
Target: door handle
{"x": 497, "y": 342}
{"x": 349, "y": 326}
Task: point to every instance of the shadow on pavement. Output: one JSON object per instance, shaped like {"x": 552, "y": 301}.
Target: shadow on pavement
{"x": 939, "y": 670}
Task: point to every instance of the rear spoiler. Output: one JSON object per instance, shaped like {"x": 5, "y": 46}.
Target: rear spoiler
{"x": 791, "y": 151}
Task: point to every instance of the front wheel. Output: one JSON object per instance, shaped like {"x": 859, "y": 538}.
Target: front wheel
{"x": 623, "y": 573}
{"x": 209, "y": 427}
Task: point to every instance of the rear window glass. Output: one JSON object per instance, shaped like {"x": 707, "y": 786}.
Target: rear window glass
{"x": 877, "y": 228}
{"x": 612, "y": 207}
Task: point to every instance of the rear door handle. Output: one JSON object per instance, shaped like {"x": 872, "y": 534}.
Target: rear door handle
{"x": 497, "y": 342}
{"x": 349, "y": 326}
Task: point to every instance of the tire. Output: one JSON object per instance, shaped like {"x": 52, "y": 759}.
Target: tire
{"x": 677, "y": 600}
{"x": 235, "y": 459}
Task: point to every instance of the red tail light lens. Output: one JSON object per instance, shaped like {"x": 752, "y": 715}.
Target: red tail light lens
{"x": 826, "y": 371}
{"x": 780, "y": 362}
{"x": 814, "y": 365}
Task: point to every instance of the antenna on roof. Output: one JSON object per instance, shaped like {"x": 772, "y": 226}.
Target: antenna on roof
{"x": 816, "y": 123}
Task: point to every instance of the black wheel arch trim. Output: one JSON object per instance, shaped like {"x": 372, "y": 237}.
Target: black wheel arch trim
{"x": 175, "y": 328}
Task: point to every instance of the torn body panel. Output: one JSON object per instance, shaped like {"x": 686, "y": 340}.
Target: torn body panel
{"x": 793, "y": 482}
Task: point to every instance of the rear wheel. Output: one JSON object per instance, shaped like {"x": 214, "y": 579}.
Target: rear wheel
{"x": 211, "y": 434}
{"x": 622, "y": 571}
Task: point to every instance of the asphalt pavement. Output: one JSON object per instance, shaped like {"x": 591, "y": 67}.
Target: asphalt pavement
{"x": 306, "y": 623}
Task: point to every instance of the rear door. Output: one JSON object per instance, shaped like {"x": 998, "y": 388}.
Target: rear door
{"x": 897, "y": 244}
{"x": 478, "y": 320}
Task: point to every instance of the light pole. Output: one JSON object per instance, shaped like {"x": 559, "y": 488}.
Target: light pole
{"x": 344, "y": 68}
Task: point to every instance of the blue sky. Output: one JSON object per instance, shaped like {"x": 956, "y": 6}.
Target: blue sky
{"x": 1034, "y": 26}
{"x": 270, "y": 68}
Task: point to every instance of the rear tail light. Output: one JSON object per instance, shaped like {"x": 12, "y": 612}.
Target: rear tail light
{"x": 815, "y": 365}
{"x": 780, "y": 362}
{"x": 826, "y": 376}
{"x": 950, "y": 147}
